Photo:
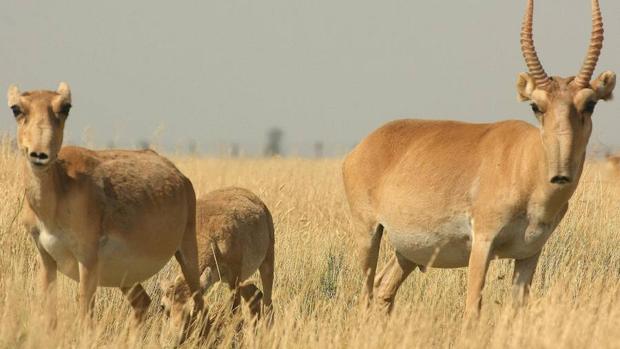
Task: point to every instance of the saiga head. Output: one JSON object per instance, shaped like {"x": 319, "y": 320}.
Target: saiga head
{"x": 564, "y": 106}
{"x": 177, "y": 304}
{"x": 40, "y": 117}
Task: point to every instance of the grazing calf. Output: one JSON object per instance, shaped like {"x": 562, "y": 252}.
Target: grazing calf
{"x": 109, "y": 218}
{"x": 235, "y": 237}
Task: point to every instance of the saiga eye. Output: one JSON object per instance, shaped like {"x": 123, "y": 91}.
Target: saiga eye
{"x": 589, "y": 107}
{"x": 17, "y": 111}
{"x": 64, "y": 109}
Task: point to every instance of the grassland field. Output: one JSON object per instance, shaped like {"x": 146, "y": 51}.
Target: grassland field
{"x": 575, "y": 299}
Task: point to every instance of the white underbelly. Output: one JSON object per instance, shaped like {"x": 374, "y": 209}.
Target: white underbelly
{"x": 118, "y": 265}
{"x": 446, "y": 245}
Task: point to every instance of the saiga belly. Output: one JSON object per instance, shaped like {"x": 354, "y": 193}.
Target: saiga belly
{"x": 118, "y": 264}
{"x": 448, "y": 245}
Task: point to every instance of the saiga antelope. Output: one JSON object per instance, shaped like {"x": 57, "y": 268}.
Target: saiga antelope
{"x": 108, "y": 218}
{"x": 235, "y": 236}
{"x": 451, "y": 194}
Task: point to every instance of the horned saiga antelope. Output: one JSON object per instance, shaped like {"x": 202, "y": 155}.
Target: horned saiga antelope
{"x": 108, "y": 218}
{"x": 452, "y": 194}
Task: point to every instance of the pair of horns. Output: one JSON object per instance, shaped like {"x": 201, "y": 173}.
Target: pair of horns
{"x": 531, "y": 57}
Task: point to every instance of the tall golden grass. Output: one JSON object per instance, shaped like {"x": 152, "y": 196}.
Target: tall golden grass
{"x": 575, "y": 300}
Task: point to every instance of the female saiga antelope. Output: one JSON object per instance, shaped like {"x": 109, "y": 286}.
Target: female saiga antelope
{"x": 104, "y": 218}
{"x": 235, "y": 238}
{"x": 452, "y": 194}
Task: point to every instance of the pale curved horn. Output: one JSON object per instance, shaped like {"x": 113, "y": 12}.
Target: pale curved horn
{"x": 594, "y": 51}
{"x": 529, "y": 51}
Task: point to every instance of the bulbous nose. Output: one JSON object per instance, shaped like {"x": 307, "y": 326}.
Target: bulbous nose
{"x": 39, "y": 158}
{"x": 560, "y": 180}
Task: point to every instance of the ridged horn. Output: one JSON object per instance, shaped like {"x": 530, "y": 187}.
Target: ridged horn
{"x": 594, "y": 51}
{"x": 529, "y": 51}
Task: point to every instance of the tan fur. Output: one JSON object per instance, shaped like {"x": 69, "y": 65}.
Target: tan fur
{"x": 452, "y": 194}
{"x": 235, "y": 238}
{"x": 108, "y": 218}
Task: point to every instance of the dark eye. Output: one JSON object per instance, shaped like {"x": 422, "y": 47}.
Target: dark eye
{"x": 535, "y": 108}
{"x": 589, "y": 107}
{"x": 64, "y": 109}
{"x": 16, "y": 110}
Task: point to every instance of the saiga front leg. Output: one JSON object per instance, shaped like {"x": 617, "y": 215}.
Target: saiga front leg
{"x": 478, "y": 265}
{"x": 89, "y": 278}
{"x": 87, "y": 254}
{"x": 47, "y": 276}
{"x": 522, "y": 278}
{"x": 524, "y": 268}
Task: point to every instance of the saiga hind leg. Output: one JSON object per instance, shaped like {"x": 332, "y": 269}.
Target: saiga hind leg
{"x": 187, "y": 255}
{"x": 253, "y": 296}
{"x": 369, "y": 242}
{"x": 390, "y": 279}
{"x": 267, "y": 275}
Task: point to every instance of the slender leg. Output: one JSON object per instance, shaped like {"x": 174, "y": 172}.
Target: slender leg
{"x": 187, "y": 256}
{"x": 47, "y": 275}
{"x": 369, "y": 254}
{"x": 192, "y": 277}
{"x": 524, "y": 268}
{"x": 252, "y": 296}
{"x": 236, "y": 302}
{"x": 386, "y": 268}
{"x": 391, "y": 279}
{"x": 139, "y": 300}
{"x": 522, "y": 278}
{"x": 236, "y": 295}
{"x": 478, "y": 265}
{"x": 89, "y": 277}
{"x": 266, "y": 275}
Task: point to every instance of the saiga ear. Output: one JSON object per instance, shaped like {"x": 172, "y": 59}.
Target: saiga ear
{"x": 525, "y": 87}
{"x": 65, "y": 91}
{"x": 604, "y": 85}
{"x": 13, "y": 95}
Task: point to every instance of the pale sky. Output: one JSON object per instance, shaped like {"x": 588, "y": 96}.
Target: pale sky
{"x": 321, "y": 70}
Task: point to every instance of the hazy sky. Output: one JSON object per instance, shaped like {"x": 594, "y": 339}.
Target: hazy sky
{"x": 329, "y": 70}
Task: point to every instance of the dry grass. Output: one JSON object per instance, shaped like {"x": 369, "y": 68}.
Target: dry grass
{"x": 575, "y": 300}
